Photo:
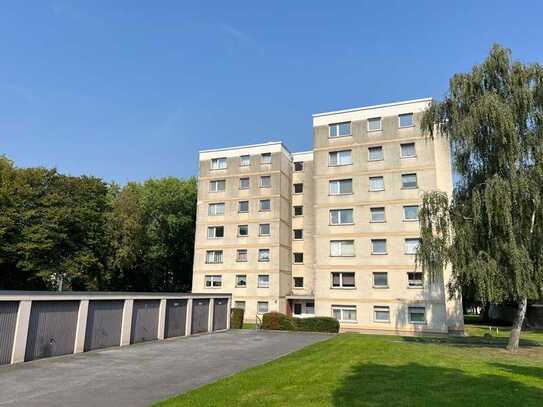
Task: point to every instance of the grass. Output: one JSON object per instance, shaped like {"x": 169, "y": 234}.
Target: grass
{"x": 365, "y": 370}
{"x": 247, "y": 325}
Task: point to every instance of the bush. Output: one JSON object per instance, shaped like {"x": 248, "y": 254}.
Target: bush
{"x": 236, "y": 318}
{"x": 281, "y": 322}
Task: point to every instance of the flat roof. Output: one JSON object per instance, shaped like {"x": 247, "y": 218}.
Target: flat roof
{"x": 356, "y": 109}
{"x": 269, "y": 143}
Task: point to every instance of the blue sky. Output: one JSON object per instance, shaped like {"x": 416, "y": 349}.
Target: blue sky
{"x": 128, "y": 90}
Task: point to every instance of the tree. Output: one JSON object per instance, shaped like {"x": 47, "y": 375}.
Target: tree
{"x": 491, "y": 231}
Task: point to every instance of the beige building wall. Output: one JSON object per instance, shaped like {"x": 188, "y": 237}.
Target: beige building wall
{"x": 432, "y": 166}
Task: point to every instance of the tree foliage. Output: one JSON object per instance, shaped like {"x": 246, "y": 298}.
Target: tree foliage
{"x": 491, "y": 231}
{"x": 94, "y": 236}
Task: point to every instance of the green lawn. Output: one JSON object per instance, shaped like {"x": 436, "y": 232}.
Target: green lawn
{"x": 365, "y": 370}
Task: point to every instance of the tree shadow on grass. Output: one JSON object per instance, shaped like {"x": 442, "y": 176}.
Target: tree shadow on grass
{"x": 529, "y": 371}
{"x": 418, "y": 385}
{"x": 469, "y": 341}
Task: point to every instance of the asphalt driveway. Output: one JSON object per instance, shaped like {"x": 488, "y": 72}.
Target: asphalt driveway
{"x": 138, "y": 375}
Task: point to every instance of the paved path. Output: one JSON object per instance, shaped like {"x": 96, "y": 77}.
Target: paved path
{"x": 138, "y": 375}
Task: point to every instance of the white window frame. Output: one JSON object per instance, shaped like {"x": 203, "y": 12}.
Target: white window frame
{"x": 411, "y": 283}
{"x": 264, "y": 160}
{"x": 243, "y": 252}
{"x": 341, "y": 243}
{"x": 381, "y": 308}
{"x": 371, "y": 185}
{"x": 300, "y": 163}
{"x": 339, "y": 161}
{"x": 294, "y": 234}
{"x": 370, "y": 119}
{"x": 218, "y": 256}
{"x": 239, "y": 207}
{"x": 419, "y": 307}
{"x": 214, "y": 212}
{"x": 408, "y": 144}
{"x": 405, "y": 218}
{"x": 342, "y": 309}
{"x": 337, "y": 127}
{"x": 294, "y": 258}
{"x": 240, "y": 304}
{"x": 400, "y": 120}
{"x": 340, "y": 216}
{"x": 241, "y": 186}
{"x": 370, "y": 159}
{"x": 294, "y": 188}
{"x": 263, "y": 284}
{"x": 341, "y": 283}
{"x": 214, "y": 280}
{"x": 294, "y": 282}
{"x": 260, "y": 229}
{"x": 261, "y": 257}
{"x": 373, "y": 279}
{"x": 242, "y": 162}
{"x": 407, "y": 246}
{"x": 294, "y": 210}
{"x": 262, "y": 183}
{"x": 260, "y": 205}
{"x": 238, "y": 278}
{"x": 336, "y": 183}
{"x": 239, "y": 229}
{"x": 213, "y": 235}
{"x": 373, "y": 210}
{"x": 258, "y": 305}
{"x": 214, "y": 185}
{"x": 379, "y": 253}
{"x": 219, "y": 163}
{"x": 416, "y": 180}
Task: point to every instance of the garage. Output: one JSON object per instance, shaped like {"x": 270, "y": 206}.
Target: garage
{"x": 200, "y": 315}
{"x": 8, "y": 321}
{"x": 176, "y": 318}
{"x": 104, "y": 321}
{"x": 144, "y": 321}
{"x": 51, "y": 329}
{"x": 220, "y": 313}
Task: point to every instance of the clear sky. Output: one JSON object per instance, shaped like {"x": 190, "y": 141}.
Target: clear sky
{"x": 128, "y": 90}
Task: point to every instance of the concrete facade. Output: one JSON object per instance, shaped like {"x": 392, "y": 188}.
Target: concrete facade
{"x": 343, "y": 223}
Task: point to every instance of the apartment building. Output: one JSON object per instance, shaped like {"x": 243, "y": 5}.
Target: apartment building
{"x": 328, "y": 232}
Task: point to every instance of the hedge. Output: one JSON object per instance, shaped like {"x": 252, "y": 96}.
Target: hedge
{"x": 281, "y": 322}
{"x": 236, "y": 318}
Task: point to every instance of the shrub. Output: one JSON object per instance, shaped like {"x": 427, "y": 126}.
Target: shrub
{"x": 236, "y": 318}
{"x": 281, "y": 322}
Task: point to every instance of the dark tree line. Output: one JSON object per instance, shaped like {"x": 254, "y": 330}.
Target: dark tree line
{"x": 86, "y": 234}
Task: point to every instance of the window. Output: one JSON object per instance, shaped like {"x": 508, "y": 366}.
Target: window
{"x": 341, "y": 186}
{"x": 244, "y": 160}
{"x": 377, "y": 184}
{"x": 337, "y": 158}
{"x": 298, "y": 166}
{"x": 414, "y": 279}
{"x": 263, "y": 281}
{"x": 298, "y": 210}
{"x": 381, "y": 314}
{"x": 340, "y": 129}
{"x": 341, "y": 216}
{"x": 298, "y": 282}
{"x": 215, "y": 209}
{"x": 243, "y": 230}
{"x": 298, "y": 188}
{"x": 408, "y": 150}
{"x": 265, "y": 205}
{"x": 378, "y": 246}
{"x": 344, "y": 313}
{"x": 241, "y": 281}
{"x": 217, "y": 186}
{"x": 341, "y": 248}
{"x": 374, "y": 124}
{"x": 241, "y": 256}
{"x": 411, "y": 212}
{"x": 218, "y": 163}
{"x": 213, "y": 281}
{"x": 244, "y": 183}
{"x": 214, "y": 232}
{"x": 377, "y": 215}
{"x": 264, "y": 229}
{"x": 411, "y": 246}
{"x": 265, "y": 181}
{"x": 298, "y": 234}
{"x": 265, "y": 158}
{"x": 409, "y": 181}
{"x": 214, "y": 256}
{"x": 343, "y": 280}
{"x": 298, "y": 258}
{"x": 264, "y": 255}
{"x": 375, "y": 153}
{"x": 380, "y": 280}
{"x": 239, "y": 304}
{"x": 406, "y": 120}
{"x": 262, "y": 307}
{"x": 417, "y": 315}
{"x": 310, "y": 308}
{"x": 243, "y": 206}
